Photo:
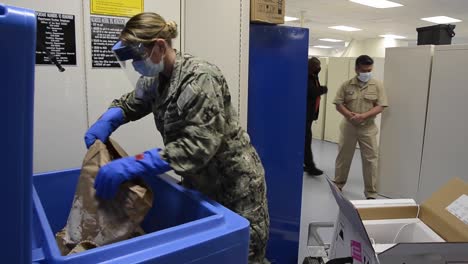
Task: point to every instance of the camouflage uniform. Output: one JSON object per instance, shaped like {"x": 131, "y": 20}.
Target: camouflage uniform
{"x": 204, "y": 141}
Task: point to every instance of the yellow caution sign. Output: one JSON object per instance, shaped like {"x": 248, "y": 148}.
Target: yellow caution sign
{"x": 122, "y": 8}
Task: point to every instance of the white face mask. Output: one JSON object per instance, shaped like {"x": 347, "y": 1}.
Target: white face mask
{"x": 147, "y": 67}
{"x": 364, "y": 76}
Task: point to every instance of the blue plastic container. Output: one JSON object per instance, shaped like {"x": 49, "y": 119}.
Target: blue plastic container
{"x": 182, "y": 227}
{"x": 17, "y": 47}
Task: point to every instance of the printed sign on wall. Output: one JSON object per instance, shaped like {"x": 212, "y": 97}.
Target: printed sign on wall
{"x": 105, "y": 33}
{"x": 56, "y": 34}
{"x": 127, "y": 8}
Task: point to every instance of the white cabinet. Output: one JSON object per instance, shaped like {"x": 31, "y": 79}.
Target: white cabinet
{"x": 424, "y": 131}
{"x": 445, "y": 153}
{"x": 407, "y": 77}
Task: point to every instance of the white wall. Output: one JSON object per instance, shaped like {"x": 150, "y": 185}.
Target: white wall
{"x": 319, "y": 52}
{"x": 67, "y": 103}
{"x": 318, "y": 127}
{"x": 60, "y": 104}
{"x": 106, "y": 84}
{"x": 372, "y": 47}
{"x": 222, "y": 38}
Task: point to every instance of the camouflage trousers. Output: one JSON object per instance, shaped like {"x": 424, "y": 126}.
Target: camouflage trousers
{"x": 259, "y": 231}
{"x": 254, "y": 208}
{"x": 236, "y": 179}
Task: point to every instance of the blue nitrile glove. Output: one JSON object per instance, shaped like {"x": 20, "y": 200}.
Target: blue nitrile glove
{"x": 116, "y": 172}
{"x": 103, "y": 128}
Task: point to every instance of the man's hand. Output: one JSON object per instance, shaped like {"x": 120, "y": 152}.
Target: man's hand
{"x": 323, "y": 90}
{"x": 350, "y": 115}
{"x": 358, "y": 118}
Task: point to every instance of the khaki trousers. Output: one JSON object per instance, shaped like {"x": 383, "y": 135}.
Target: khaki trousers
{"x": 366, "y": 136}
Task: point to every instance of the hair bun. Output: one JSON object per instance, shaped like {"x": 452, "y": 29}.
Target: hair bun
{"x": 172, "y": 29}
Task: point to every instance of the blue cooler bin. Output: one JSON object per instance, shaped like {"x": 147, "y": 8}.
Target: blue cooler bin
{"x": 182, "y": 227}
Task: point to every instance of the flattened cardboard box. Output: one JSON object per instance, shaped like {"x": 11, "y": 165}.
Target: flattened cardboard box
{"x": 267, "y": 11}
{"x": 352, "y": 239}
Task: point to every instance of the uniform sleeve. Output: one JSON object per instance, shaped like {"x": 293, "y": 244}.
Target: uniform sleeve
{"x": 137, "y": 103}
{"x": 202, "y": 109}
{"x": 340, "y": 95}
{"x": 383, "y": 100}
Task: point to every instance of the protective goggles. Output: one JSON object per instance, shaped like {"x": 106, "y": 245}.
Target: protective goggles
{"x": 129, "y": 52}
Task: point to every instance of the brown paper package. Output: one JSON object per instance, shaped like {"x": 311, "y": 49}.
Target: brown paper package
{"x": 94, "y": 222}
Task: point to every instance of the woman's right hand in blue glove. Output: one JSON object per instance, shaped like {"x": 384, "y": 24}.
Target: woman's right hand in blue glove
{"x": 103, "y": 128}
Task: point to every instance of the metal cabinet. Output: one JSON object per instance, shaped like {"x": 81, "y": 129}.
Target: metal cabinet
{"x": 407, "y": 77}
{"x": 423, "y": 132}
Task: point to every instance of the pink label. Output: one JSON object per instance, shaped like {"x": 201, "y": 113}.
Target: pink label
{"x": 356, "y": 250}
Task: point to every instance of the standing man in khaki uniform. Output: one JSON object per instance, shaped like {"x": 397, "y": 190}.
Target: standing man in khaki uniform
{"x": 359, "y": 100}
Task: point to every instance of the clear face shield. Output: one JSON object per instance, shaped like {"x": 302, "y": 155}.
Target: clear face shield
{"x": 132, "y": 60}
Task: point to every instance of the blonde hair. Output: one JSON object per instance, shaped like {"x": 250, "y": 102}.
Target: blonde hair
{"x": 146, "y": 27}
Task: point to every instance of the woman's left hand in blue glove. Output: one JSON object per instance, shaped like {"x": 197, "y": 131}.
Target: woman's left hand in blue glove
{"x": 111, "y": 175}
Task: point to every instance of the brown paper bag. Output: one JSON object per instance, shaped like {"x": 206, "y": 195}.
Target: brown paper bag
{"x": 94, "y": 222}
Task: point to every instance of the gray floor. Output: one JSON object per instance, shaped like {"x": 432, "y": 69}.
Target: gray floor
{"x": 318, "y": 204}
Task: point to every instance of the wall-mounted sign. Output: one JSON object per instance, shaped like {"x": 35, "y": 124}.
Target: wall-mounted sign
{"x": 56, "y": 34}
{"x": 127, "y": 8}
{"x": 105, "y": 33}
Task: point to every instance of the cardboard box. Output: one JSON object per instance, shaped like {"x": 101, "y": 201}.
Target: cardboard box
{"x": 400, "y": 231}
{"x": 267, "y": 11}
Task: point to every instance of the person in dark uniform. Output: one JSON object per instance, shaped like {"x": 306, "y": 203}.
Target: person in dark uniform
{"x": 314, "y": 91}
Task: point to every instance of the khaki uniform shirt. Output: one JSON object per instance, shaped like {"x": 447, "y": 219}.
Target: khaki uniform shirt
{"x": 359, "y": 98}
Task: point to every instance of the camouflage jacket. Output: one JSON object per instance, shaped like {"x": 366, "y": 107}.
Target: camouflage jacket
{"x": 204, "y": 142}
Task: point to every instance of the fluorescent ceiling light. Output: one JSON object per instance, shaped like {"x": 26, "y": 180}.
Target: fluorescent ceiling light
{"x": 331, "y": 40}
{"x": 323, "y": 47}
{"x": 289, "y": 19}
{"x": 377, "y": 3}
{"x": 345, "y": 28}
{"x": 390, "y": 36}
{"x": 441, "y": 19}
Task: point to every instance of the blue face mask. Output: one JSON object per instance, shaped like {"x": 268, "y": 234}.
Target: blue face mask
{"x": 364, "y": 76}
{"x": 147, "y": 67}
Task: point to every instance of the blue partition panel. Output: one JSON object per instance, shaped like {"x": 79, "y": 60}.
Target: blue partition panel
{"x": 17, "y": 45}
{"x": 276, "y": 122}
